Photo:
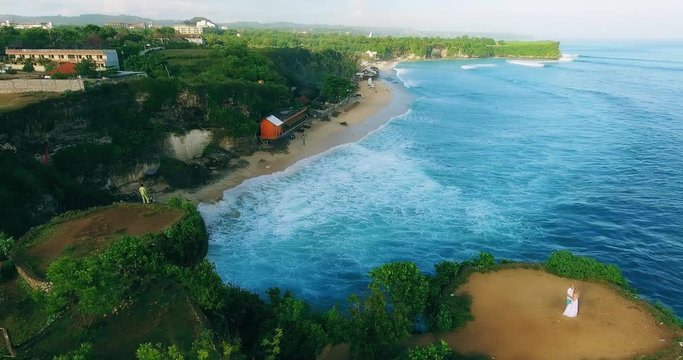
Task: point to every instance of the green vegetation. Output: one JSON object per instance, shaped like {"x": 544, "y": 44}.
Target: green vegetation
{"x": 86, "y": 69}
{"x": 6, "y": 265}
{"x": 28, "y": 66}
{"x": 11, "y": 102}
{"x": 440, "y": 351}
{"x": 157, "y": 296}
{"x": 566, "y": 264}
{"x": 394, "y": 47}
{"x": 6, "y": 244}
{"x": 399, "y": 298}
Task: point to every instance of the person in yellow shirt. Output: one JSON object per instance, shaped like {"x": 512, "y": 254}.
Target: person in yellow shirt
{"x": 143, "y": 194}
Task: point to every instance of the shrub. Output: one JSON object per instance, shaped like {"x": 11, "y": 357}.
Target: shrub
{"x": 337, "y": 326}
{"x": 6, "y": 269}
{"x": 485, "y": 261}
{"x": 304, "y": 336}
{"x": 181, "y": 175}
{"x": 84, "y": 352}
{"x": 453, "y": 311}
{"x": 6, "y": 244}
{"x": 186, "y": 242}
{"x": 666, "y": 315}
{"x": 566, "y": 264}
{"x": 403, "y": 284}
{"x": 445, "y": 310}
{"x": 86, "y": 283}
{"x": 148, "y": 351}
{"x": 96, "y": 285}
{"x": 28, "y": 66}
{"x": 440, "y": 351}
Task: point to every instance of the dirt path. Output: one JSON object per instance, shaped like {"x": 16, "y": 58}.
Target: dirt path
{"x": 94, "y": 231}
{"x": 518, "y": 315}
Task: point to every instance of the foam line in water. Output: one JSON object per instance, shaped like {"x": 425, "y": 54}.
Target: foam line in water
{"x": 476, "y": 66}
{"x": 402, "y": 74}
{"x": 568, "y": 57}
{"x": 528, "y": 63}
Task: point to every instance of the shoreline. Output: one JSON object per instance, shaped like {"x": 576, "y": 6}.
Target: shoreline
{"x": 376, "y": 108}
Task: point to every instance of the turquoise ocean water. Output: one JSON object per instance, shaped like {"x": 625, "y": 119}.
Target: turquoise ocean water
{"x": 585, "y": 155}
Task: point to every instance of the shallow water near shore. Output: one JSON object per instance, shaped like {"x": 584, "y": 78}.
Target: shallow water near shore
{"x": 584, "y": 155}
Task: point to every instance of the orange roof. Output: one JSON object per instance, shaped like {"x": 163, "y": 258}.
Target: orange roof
{"x": 66, "y": 69}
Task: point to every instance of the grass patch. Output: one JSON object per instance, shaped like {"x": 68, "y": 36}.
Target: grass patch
{"x": 10, "y": 102}
{"x": 20, "y": 314}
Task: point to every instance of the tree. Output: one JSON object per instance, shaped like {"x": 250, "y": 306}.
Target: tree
{"x": 397, "y": 295}
{"x": 6, "y": 244}
{"x": 47, "y": 64}
{"x": 303, "y": 336}
{"x": 83, "y": 352}
{"x": 86, "y": 68}
{"x": 152, "y": 64}
{"x": 403, "y": 284}
{"x": 440, "y": 351}
{"x": 28, "y": 66}
{"x": 335, "y": 88}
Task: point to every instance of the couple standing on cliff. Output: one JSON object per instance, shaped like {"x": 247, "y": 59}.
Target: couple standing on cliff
{"x": 572, "y": 304}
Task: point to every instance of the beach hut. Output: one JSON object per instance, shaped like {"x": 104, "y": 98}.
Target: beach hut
{"x": 282, "y": 123}
{"x": 271, "y": 128}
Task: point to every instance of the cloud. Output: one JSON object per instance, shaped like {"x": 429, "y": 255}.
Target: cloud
{"x": 358, "y": 8}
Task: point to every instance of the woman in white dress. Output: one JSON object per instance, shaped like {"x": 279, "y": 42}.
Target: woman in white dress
{"x": 572, "y": 308}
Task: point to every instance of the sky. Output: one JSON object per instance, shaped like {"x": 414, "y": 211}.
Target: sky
{"x": 538, "y": 19}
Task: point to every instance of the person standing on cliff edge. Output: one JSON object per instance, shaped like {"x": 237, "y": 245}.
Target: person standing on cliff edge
{"x": 143, "y": 194}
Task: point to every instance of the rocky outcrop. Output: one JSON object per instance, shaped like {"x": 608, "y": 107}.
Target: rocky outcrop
{"x": 189, "y": 146}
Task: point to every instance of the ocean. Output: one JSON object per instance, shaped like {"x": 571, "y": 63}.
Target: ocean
{"x": 517, "y": 160}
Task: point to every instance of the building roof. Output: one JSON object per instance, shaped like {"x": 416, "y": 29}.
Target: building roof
{"x": 274, "y": 120}
{"x": 66, "y": 69}
{"x": 48, "y": 51}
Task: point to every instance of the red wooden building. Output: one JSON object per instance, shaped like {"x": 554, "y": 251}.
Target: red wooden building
{"x": 273, "y": 127}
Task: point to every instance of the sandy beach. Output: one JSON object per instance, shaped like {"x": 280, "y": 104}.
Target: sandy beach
{"x": 374, "y": 109}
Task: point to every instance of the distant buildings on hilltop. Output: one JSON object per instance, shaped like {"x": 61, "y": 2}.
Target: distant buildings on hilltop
{"x": 45, "y": 26}
{"x": 193, "y": 29}
{"x": 194, "y": 26}
{"x": 123, "y": 25}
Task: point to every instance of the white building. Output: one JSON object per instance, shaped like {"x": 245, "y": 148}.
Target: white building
{"x": 44, "y": 26}
{"x": 205, "y": 23}
{"x": 195, "y": 39}
{"x": 195, "y": 26}
{"x": 188, "y": 29}
{"x": 103, "y": 59}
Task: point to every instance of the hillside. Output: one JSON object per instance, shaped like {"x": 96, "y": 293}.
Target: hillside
{"x": 85, "y": 19}
{"x": 102, "y": 19}
{"x": 94, "y": 263}
{"x": 118, "y": 130}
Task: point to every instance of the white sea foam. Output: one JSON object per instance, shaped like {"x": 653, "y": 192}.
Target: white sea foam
{"x": 476, "y": 66}
{"x": 402, "y": 74}
{"x": 529, "y": 63}
{"x": 568, "y": 57}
